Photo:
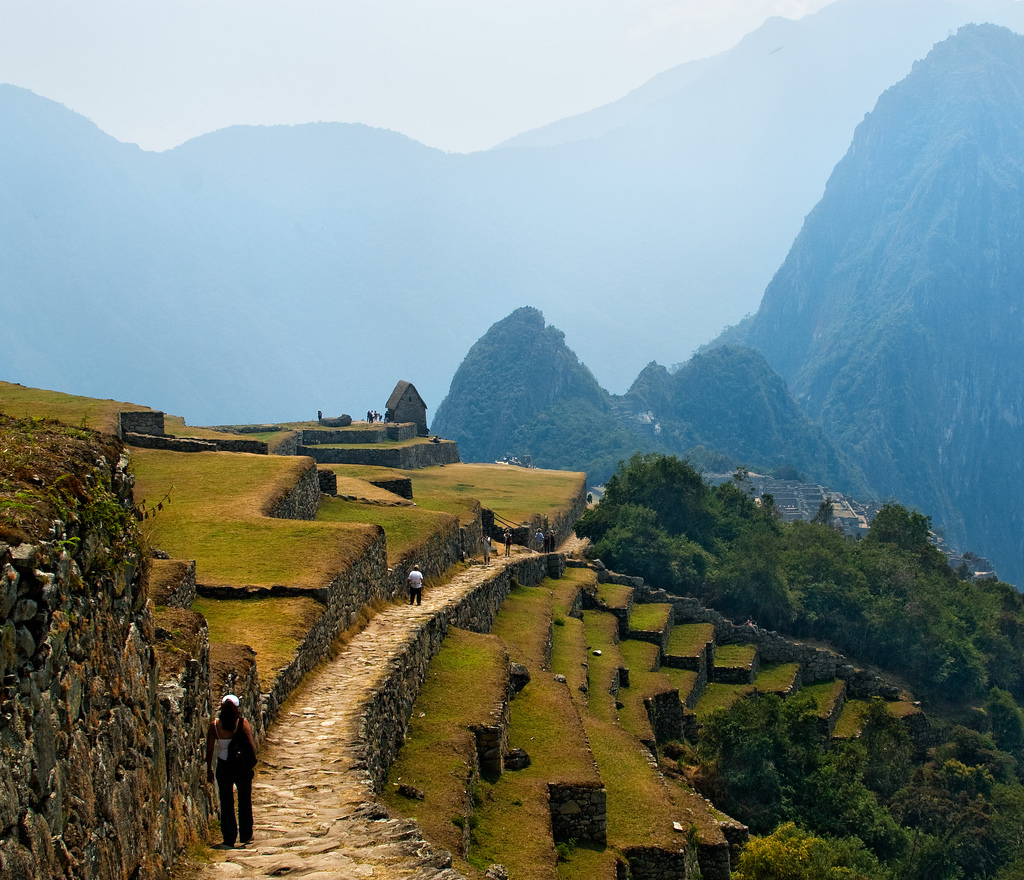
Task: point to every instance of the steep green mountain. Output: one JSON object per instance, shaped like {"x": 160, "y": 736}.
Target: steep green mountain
{"x": 729, "y": 399}
{"x": 898, "y": 316}
{"x": 522, "y": 391}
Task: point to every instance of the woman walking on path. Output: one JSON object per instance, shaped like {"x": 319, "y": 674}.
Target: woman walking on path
{"x": 234, "y": 769}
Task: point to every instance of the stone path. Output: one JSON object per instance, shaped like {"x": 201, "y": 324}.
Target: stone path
{"x": 316, "y": 814}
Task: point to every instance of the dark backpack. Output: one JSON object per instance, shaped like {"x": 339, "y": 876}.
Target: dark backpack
{"x": 241, "y": 757}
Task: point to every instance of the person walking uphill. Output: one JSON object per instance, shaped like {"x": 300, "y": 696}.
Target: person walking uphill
{"x": 415, "y": 581}
{"x": 230, "y": 738}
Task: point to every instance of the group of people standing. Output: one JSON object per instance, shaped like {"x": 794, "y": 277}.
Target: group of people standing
{"x": 373, "y": 416}
{"x": 544, "y": 542}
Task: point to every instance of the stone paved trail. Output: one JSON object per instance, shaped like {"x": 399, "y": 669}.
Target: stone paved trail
{"x": 316, "y": 815}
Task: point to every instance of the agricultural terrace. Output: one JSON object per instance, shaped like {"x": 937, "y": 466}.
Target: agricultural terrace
{"x": 217, "y": 515}
{"x": 100, "y": 415}
{"x": 515, "y": 494}
{"x": 571, "y": 730}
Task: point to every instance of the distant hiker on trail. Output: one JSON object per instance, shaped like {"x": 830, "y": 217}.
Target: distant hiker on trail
{"x": 539, "y": 539}
{"x": 230, "y": 738}
{"x": 415, "y": 581}
{"x": 549, "y": 541}
{"x": 319, "y": 415}
{"x": 487, "y": 550}
{"x": 508, "y": 541}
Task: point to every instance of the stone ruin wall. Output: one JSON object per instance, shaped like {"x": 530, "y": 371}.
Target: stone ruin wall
{"x": 816, "y": 664}
{"x": 387, "y": 710}
{"x": 302, "y": 501}
{"x": 579, "y": 811}
{"x": 406, "y": 458}
{"x": 100, "y": 772}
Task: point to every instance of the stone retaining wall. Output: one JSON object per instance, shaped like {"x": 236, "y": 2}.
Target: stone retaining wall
{"x": 319, "y": 437}
{"x": 653, "y": 863}
{"x": 405, "y": 458}
{"x": 173, "y": 582}
{"x": 402, "y": 431}
{"x": 434, "y": 557}
{"x": 492, "y": 739}
{"x": 816, "y": 664}
{"x": 302, "y": 501}
{"x": 564, "y": 523}
{"x": 370, "y": 434}
{"x": 829, "y": 722}
{"x": 99, "y": 774}
{"x": 665, "y": 712}
{"x": 286, "y": 444}
{"x": 401, "y": 486}
{"x": 328, "y": 480}
{"x": 141, "y": 423}
{"x": 578, "y": 811}
{"x": 194, "y": 444}
{"x": 173, "y": 444}
{"x": 386, "y": 710}
{"x": 365, "y": 581}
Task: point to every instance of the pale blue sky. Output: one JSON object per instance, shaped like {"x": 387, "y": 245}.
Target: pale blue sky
{"x": 459, "y": 75}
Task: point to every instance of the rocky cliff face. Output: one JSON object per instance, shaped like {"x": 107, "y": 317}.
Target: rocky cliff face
{"x": 897, "y": 317}
{"x": 100, "y": 774}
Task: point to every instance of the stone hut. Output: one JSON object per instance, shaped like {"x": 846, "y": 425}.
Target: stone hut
{"x": 406, "y": 405}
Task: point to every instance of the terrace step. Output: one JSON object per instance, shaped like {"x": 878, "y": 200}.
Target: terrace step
{"x": 735, "y": 664}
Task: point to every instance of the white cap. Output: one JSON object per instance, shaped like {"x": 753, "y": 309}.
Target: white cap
{"x": 230, "y": 698}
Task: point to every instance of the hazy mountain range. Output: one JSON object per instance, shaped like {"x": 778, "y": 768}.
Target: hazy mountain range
{"x": 896, "y": 319}
{"x": 265, "y": 273}
{"x": 522, "y": 391}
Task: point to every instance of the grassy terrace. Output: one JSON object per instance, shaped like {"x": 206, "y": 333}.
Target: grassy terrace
{"x": 777, "y": 679}
{"x": 514, "y": 825}
{"x": 361, "y": 490}
{"x": 720, "y": 696}
{"x": 217, "y": 516}
{"x": 277, "y": 624}
{"x": 683, "y": 680}
{"x": 603, "y": 669}
{"x": 101, "y": 415}
{"x": 569, "y": 640}
{"x": 640, "y": 658}
{"x": 825, "y": 693}
{"x": 511, "y": 822}
{"x": 515, "y": 494}
{"x": 650, "y": 618}
{"x": 735, "y": 656}
{"x": 466, "y": 680}
{"x": 615, "y": 595}
{"x": 406, "y": 528}
{"x": 689, "y": 639}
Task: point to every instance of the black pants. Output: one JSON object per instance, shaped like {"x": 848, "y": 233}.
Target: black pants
{"x": 417, "y": 594}
{"x": 226, "y": 783}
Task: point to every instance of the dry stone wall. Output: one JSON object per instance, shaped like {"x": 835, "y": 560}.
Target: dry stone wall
{"x": 303, "y": 501}
{"x": 406, "y": 458}
{"x": 579, "y": 811}
{"x": 151, "y": 422}
{"x": 99, "y": 774}
{"x": 364, "y": 582}
{"x": 387, "y": 710}
{"x": 816, "y": 664}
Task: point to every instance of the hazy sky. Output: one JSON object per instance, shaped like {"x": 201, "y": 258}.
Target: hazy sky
{"x": 460, "y": 75}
